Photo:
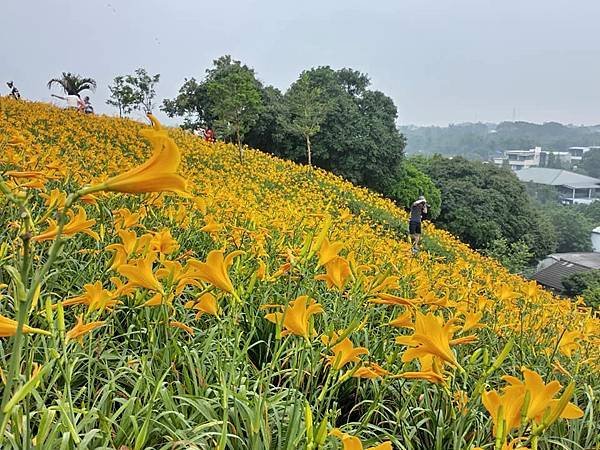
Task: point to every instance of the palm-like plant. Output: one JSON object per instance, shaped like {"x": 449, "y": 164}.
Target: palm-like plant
{"x": 72, "y": 83}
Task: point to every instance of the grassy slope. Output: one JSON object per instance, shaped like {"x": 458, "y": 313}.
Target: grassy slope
{"x": 267, "y": 208}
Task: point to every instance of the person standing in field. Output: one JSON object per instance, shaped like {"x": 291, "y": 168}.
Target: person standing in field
{"x": 87, "y": 106}
{"x": 417, "y": 210}
{"x": 14, "y": 92}
{"x": 209, "y": 135}
{"x": 73, "y": 101}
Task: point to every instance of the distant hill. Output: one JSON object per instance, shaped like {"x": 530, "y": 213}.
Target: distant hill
{"x": 484, "y": 140}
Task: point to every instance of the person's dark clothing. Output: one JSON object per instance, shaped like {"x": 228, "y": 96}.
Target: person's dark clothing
{"x": 414, "y": 227}
{"x": 416, "y": 212}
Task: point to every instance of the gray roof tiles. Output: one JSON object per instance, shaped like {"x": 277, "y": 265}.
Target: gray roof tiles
{"x": 556, "y": 177}
{"x": 553, "y": 275}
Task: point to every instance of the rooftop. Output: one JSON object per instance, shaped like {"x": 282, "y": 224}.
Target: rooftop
{"x": 553, "y": 275}
{"x": 557, "y": 177}
{"x": 589, "y": 260}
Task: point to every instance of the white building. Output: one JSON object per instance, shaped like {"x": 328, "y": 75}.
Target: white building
{"x": 520, "y": 159}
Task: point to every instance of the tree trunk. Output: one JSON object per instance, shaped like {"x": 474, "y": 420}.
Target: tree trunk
{"x": 308, "y": 151}
{"x": 239, "y": 143}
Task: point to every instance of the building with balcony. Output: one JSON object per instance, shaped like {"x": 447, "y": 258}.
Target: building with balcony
{"x": 572, "y": 187}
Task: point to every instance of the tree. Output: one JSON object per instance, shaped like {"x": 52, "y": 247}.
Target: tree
{"x": 586, "y": 284}
{"x": 305, "y": 110}
{"x": 230, "y": 97}
{"x": 515, "y": 256}
{"x": 358, "y": 138}
{"x": 573, "y": 229}
{"x": 483, "y": 203}
{"x": 268, "y": 133}
{"x": 235, "y": 98}
{"x": 135, "y": 91}
{"x": 121, "y": 96}
{"x": 192, "y": 103}
{"x": 590, "y": 163}
{"x": 73, "y": 84}
{"x": 410, "y": 184}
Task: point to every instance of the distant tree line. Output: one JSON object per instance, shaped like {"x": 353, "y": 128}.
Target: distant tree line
{"x": 483, "y": 141}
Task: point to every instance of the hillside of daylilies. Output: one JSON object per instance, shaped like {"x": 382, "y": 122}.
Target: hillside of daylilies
{"x": 158, "y": 293}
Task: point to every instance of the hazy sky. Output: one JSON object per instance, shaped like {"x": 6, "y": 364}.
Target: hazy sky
{"x": 441, "y": 61}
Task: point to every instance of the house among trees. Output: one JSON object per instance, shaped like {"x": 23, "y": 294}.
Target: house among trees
{"x": 557, "y": 267}
{"x": 572, "y": 188}
{"x": 536, "y": 157}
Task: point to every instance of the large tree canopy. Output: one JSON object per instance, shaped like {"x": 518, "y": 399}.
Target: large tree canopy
{"x": 357, "y": 138}
{"x": 349, "y": 129}
{"x": 482, "y": 203}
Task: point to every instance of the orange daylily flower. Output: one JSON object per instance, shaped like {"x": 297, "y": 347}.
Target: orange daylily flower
{"x": 295, "y": 319}
{"x": 338, "y": 272}
{"x": 139, "y": 274}
{"x": 181, "y": 326}
{"x": 214, "y": 270}
{"x": 81, "y": 329}
{"x": 77, "y": 223}
{"x": 157, "y": 174}
{"x": 8, "y": 327}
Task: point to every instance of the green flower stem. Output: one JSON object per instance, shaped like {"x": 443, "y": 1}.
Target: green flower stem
{"x": 23, "y": 310}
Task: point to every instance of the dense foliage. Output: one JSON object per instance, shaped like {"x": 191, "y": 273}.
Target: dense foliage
{"x": 349, "y": 128}
{"x": 573, "y": 229}
{"x": 483, "y": 203}
{"x": 585, "y": 284}
{"x": 410, "y": 184}
{"x": 482, "y": 141}
{"x": 272, "y": 306}
{"x": 590, "y": 164}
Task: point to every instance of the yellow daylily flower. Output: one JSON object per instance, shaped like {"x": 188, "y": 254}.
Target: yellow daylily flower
{"x": 163, "y": 242}
{"x": 541, "y": 395}
{"x": 95, "y": 297}
{"x": 354, "y": 443}
{"x": 371, "y": 371}
{"x": 328, "y": 251}
{"x": 205, "y": 304}
{"x": 344, "y": 352}
{"x": 430, "y": 370}
{"x": 431, "y": 336}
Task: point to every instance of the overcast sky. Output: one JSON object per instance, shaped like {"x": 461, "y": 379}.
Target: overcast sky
{"x": 442, "y": 61}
